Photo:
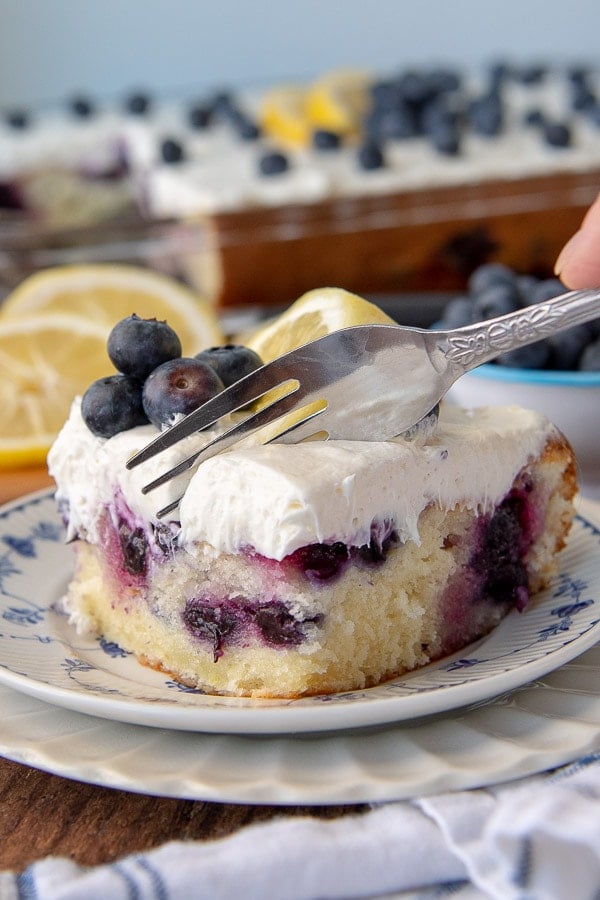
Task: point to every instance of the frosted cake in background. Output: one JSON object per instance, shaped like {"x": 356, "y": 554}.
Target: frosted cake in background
{"x": 380, "y": 184}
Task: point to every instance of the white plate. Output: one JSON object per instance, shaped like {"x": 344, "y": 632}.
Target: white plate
{"x": 547, "y": 723}
{"x": 41, "y": 655}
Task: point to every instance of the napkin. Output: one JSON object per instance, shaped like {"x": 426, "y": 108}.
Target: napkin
{"x": 533, "y": 839}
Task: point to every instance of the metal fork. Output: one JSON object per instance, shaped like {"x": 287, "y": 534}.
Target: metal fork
{"x": 367, "y": 383}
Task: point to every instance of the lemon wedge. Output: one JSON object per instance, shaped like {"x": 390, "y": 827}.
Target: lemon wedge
{"x": 315, "y": 314}
{"x": 283, "y": 115}
{"x": 338, "y": 101}
{"x": 105, "y": 293}
{"x": 44, "y": 362}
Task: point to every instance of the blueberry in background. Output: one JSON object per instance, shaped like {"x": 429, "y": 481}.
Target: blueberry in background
{"x": 458, "y": 312}
{"x": 178, "y": 387}
{"x": 324, "y": 139}
{"x": 171, "y": 151}
{"x": 82, "y": 107}
{"x": 370, "y": 156}
{"x": 138, "y": 104}
{"x": 136, "y": 346}
{"x": 488, "y": 274}
{"x": 496, "y": 300}
{"x": 590, "y": 358}
{"x": 557, "y": 134}
{"x": 546, "y": 290}
{"x": 566, "y": 347}
{"x": 113, "y": 404}
{"x": 532, "y": 356}
{"x": 273, "y": 163}
{"x": 18, "y": 119}
{"x": 231, "y": 361}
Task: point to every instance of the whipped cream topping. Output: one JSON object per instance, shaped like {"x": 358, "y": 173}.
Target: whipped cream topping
{"x": 276, "y": 498}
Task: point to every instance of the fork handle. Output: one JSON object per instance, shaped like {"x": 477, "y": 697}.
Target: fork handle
{"x": 470, "y": 346}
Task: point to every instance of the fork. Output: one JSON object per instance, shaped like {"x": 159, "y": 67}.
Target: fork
{"x": 366, "y": 382}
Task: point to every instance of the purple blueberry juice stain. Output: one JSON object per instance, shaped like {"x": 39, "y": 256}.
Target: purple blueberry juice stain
{"x": 504, "y": 540}
{"x": 320, "y": 562}
{"x": 134, "y": 548}
{"x": 210, "y": 621}
{"x": 233, "y": 620}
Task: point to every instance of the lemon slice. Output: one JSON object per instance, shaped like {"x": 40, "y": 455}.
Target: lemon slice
{"x": 315, "y": 314}
{"x": 338, "y": 100}
{"x": 44, "y": 362}
{"x": 104, "y": 294}
{"x": 282, "y": 114}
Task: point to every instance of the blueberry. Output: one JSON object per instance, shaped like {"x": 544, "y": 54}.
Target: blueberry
{"x": 531, "y": 74}
{"x": 172, "y": 151}
{"x": 134, "y": 547}
{"x": 534, "y": 117}
{"x": 200, "y": 116}
{"x": 566, "y": 347}
{"x": 273, "y": 163}
{"x": 17, "y": 119}
{"x": 546, "y": 290}
{"x": 444, "y": 81}
{"x": 231, "y": 362}
{"x": 416, "y": 87}
{"x": 321, "y": 562}
{"x": 499, "y": 559}
{"x": 177, "y": 387}
{"x": 486, "y": 116}
{"x": 457, "y": 312}
{"x": 136, "y": 346}
{"x": 209, "y": 621}
{"x": 278, "y": 626}
{"x": 589, "y": 360}
{"x": 446, "y": 139}
{"x": 245, "y": 128}
{"x": 583, "y": 98}
{"x": 113, "y": 404}
{"x": 557, "y": 134}
{"x": 489, "y": 273}
{"x": 82, "y": 107}
{"x": 385, "y": 94}
{"x": 437, "y": 116}
{"x": 532, "y": 356}
{"x": 323, "y": 139}
{"x": 370, "y": 156}
{"x": 496, "y": 300}
{"x": 138, "y": 104}
{"x": 526, "y": 285}
{"x": 398, "y": 123}
{"x": 223, "y": 104}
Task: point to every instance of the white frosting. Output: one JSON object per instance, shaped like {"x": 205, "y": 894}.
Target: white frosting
{"x": 277, "y": 498}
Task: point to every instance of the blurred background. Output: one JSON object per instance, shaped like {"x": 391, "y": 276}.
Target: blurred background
{"x": 49, "y": 49}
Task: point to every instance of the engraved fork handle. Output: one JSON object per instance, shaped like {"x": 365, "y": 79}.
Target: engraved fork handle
{"x": 470, "y": 346}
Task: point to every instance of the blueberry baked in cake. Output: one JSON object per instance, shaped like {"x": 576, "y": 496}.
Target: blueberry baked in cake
{"x": 292, "y": 570}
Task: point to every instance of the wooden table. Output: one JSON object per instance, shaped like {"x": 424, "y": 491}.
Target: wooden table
{"x": 43, "y": 814}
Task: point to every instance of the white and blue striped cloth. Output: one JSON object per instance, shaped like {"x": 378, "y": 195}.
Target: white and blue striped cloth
{"x": 535, "y": 839}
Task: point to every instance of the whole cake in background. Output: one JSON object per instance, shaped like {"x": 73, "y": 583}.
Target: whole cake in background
{"x": 407, "y": 180}
{"x": 291, "y": 570}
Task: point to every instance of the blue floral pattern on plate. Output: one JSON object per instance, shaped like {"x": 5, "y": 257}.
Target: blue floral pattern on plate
{"x": 42, "y": 655}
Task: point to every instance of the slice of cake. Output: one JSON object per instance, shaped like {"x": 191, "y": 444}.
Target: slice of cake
{"x": 292, "y": 570}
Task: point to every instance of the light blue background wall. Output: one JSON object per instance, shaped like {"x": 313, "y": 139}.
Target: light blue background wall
{"x": 52, "y": 48}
